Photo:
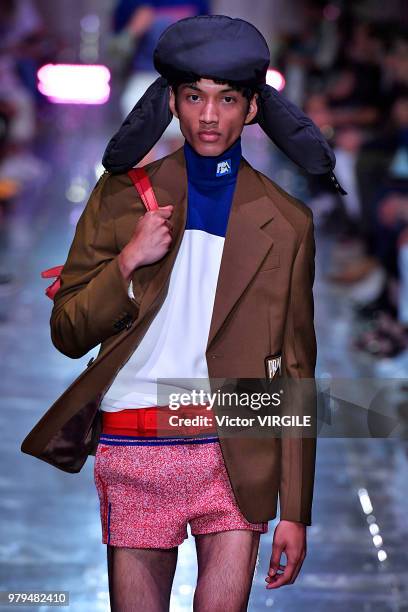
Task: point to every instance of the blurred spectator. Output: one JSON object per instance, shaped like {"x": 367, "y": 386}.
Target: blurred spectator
{"x": 354, "y": 85}
{"x": 355, "y": 91}
{"x": 395, "y": 69}
{"x": 20, "y": 30}
{"x": 24, "y": 46}
{"x": 8, "y": 187}
{"x": 141, "y": 23}
{"x": 378, "y": 156}
{"x": 388, "y": 230}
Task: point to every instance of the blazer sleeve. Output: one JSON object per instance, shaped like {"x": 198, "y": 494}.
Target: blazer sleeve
{"x": 298, "y": 452}
{"x": 93, "y": 301}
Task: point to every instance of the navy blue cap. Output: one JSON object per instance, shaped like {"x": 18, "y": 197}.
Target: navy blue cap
{"x": 212, "y": 46}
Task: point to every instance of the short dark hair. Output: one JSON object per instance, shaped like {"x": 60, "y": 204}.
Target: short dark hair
{"x": 247, "y": 91}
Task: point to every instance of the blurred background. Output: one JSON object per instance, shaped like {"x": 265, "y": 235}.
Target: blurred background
{"x": 69, "y": 74}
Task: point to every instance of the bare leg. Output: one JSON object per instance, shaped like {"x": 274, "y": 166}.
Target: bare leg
{"x": 226, "y": 566}
{"x": 140, "y": 578}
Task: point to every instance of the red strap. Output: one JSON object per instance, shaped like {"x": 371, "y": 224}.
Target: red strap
{"x": 142, "y": 183}
{"x": 153, "y": 419}
{"x": 51, "y": 272}
{"x": 53, "y": 288}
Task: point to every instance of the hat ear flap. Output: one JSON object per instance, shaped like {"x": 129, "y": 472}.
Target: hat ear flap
{"x": 141, "y": 129}
{"x": 293, "y": 131}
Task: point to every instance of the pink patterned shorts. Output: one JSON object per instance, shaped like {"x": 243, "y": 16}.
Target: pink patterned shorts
{"x": 150, "y": 488}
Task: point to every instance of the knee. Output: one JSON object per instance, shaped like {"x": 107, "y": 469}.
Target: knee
{"x": 210, "y": 599}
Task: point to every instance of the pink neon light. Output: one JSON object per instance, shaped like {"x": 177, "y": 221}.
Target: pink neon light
{"x": 74, "y": 83}
{"x": 275, "y": 79}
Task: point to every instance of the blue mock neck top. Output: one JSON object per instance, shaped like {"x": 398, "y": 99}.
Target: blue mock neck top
{"x": 211, "y": 185}
{"x": 214, "y": 171}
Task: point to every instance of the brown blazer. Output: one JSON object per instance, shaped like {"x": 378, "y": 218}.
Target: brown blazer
{"x": 263, "y": 306}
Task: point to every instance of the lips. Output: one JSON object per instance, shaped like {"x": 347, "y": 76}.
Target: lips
{"x": 208, "y": 136}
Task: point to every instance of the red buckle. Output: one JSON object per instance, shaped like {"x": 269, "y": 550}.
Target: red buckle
{"x": 163, "y": 420}
{"x": 140, "y": 421}
{"x": 190, "y": 413}
{"x": 150, "y": 423}
{"x": 157, "y": 419}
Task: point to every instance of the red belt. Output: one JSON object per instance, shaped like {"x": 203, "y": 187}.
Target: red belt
{"x": 155, "y": 421}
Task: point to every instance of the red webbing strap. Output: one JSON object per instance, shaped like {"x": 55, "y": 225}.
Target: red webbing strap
{"x": 51, "y": 273}
{"x": 154, "y": 420}
{"x": 142, "y": 183}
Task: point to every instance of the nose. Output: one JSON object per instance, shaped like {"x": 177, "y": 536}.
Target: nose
{"x": 209, "y": 114}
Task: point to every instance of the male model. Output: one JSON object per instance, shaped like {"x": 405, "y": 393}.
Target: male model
{"x": 215, "y": 283}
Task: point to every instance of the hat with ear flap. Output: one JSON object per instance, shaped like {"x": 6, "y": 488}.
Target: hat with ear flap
{"x": 220, "y": 48}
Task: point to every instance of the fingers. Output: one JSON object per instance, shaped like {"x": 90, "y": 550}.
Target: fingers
{"x": 164, "y": 211}
{"x": 295, "y": 553}
{"x": 169, "y": 225}
{"x": 285, "y": 577}
{"x": 289, "y": 574}
{"x": 271, "y": 574}
{"x": 277, "y": 550}
{"x": 160, "y": 217}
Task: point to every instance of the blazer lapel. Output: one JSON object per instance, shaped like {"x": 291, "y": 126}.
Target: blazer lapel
{"x": 246, "y": 243}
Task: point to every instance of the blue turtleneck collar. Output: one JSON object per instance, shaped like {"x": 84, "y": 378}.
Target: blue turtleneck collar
{"x": 216, "y": 170}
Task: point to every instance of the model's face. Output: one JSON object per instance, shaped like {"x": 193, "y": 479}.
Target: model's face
{"x": 211, "y": 116}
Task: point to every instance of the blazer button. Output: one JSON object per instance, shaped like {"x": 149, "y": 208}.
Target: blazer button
{"x": 128, "y": 321}
{"x": 124, "y": 322}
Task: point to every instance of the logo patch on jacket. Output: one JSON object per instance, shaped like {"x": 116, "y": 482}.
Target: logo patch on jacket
{"x": 224, "y": 167}
{"x": 273, "y": 366}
